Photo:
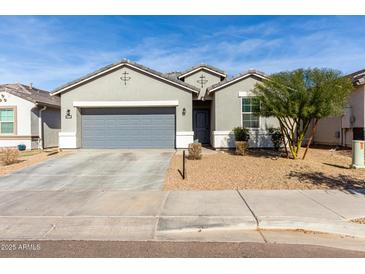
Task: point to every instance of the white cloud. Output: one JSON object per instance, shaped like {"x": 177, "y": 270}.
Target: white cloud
{"x": 48, "y": 55}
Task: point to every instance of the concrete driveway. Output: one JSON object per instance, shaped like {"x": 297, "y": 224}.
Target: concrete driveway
{"x": 95, "y": 170}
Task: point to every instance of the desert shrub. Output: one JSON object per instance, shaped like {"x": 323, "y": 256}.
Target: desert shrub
{"x": 241, "y": 134}
{"x": 241, "y": 147}
{"x": 195, "y": 151}
{"x": 276, "y": 137}
{"x": 9, "y": 155}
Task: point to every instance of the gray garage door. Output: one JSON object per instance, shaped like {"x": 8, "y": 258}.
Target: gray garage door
{"x": 128, "y": 128}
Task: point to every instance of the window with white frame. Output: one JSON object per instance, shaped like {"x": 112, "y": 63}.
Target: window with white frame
{"x": 7, "y": 121}
{"x": 250, "y": 105}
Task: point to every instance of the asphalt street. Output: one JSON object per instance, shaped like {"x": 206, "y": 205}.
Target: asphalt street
{"x": 154, "y": 249}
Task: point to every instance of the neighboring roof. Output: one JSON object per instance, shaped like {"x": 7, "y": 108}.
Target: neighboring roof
{"x": 106, "y": 69}
{"x": 32, "y": 94}
{"x": 358, "y": 77}
{"x": 173, "y": 74}
{"x": 206, "y": 67}
{"x": 227, "y": 82}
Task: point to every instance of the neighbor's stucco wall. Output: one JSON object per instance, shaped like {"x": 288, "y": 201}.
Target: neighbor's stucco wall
{"x": 193, "y": 79}
{"x": 228, "y": 114}
{"x": 357, "y": 104}
{"x": 328, "y": 131}
{"x": 109, "y": 87}
{"x": 34, "y": 121}
{"x": 51, "y": 118}
{"x": 23, "y": 133}
{"x": 328, "y": 127}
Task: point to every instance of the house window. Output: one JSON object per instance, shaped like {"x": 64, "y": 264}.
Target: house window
{"x": 7, "y": 121}
{"x": 250, "y": 105}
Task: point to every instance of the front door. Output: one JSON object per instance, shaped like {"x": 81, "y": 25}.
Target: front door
{"x": 201, "y": 126}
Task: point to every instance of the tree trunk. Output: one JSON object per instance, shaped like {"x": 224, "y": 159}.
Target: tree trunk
{"x": 284, "y": 141}
{"x": 314, "y": 129}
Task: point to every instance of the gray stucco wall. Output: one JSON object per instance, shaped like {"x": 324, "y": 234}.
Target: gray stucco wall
{"x": 228, "y": 111}
{"x": 209, "y": 77}
{"x": 140, "y": 87}
{"x": 51, "y": 126}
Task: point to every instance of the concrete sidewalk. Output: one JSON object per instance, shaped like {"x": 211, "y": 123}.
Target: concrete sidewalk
{"x": 245, "y": 215}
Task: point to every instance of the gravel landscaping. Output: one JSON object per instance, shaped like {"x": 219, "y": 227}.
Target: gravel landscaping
{"x": 28, "y": 158}
{"x": 323, "y": 168}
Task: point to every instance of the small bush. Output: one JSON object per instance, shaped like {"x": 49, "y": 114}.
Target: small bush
{"x": 195, "y": 151}
{"x": 276, "y": 138}
{"x": 241, "y": 134}
{"x": 9, "y": 155}
{"x": 241, "y": 147}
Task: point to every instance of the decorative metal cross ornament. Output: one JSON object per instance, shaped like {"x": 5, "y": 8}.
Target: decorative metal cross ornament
{"x": 202, "y": 80}
{"x": 125, "y": 78}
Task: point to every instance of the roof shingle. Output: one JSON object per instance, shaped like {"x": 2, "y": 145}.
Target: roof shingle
{"x": 31, "y": 94}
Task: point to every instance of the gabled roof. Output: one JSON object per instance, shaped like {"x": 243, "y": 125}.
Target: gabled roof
{"x": 169, "y": 79}
{"x": 237, "y": 78}
{"x": 35, "y": 95}
{"x": 206, "y": 67}
{"x": 358, "y": 77}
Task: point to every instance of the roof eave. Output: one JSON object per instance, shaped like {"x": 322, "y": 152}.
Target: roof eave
{"x": 202, "y": 68}
{"x": 230, "y": 82}
{"x": 47, "y": 105}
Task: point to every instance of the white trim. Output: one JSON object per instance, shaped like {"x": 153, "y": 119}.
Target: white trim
{"x": 245, "y": 94}
{"x": 113, "y": 68}
{"x": 223, "y": 139}
{"x": 85, "y": 104}
{"x": 202, "y": 68}
{"x": 67, "y": 140}
{"x": 40, "y": 128}
{"x": 13, "y": 143}
{"x": 250, "y": 128}
{"x": 236, "y": 80}
{"x": 184, "y": 133}
{"x": 184, "y": 138}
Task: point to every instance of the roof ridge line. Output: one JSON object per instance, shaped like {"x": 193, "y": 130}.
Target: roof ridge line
{"x": 120, "y": 63}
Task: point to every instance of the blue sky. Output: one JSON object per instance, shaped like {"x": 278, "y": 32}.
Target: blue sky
{"x": 51, "y": 50}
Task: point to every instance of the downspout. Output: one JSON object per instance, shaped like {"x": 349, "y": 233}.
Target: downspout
{"x": 40, "y": 127}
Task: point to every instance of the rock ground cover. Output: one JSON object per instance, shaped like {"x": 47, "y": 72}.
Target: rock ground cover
{"x": 323, "y": 168}
{"x": 28, "y": 158}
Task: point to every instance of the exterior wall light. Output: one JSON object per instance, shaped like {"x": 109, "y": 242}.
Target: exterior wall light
{"x": 183, "y": 111}
{"x": 68, "y": 114}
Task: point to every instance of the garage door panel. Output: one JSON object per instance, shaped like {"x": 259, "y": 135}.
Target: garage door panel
{"x": 128, "y": 128}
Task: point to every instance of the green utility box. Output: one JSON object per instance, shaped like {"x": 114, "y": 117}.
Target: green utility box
{"x": 358, "y": 154}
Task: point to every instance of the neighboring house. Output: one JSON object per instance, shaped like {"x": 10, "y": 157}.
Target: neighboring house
{"x": 127, "y": 105}
{"x": 350, "y": 126}
{"x": 28, "y": 116}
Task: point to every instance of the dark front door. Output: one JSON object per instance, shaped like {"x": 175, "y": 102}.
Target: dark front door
{"x": 201, "y": 126}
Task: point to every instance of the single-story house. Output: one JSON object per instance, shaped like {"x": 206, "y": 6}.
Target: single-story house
{"x": 351, "y": 125}
{"x": 28, "y": 116}
{"x": 127, "y": 105}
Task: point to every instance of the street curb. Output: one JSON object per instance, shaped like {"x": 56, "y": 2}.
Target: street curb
{"x": 194, "y": 223}
{"x": 316, "y": 225}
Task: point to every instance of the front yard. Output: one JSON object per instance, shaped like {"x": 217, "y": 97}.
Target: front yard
{"x": 262, "y": 169}
{"x": 26, "y": 158}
